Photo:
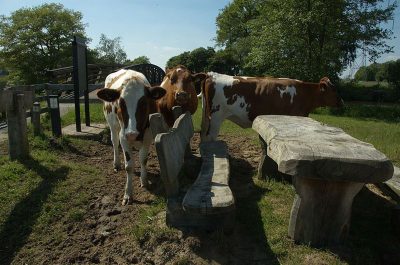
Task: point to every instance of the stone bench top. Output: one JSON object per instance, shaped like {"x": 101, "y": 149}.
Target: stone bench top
{"x": 210, "y": 193}
{"x": 304, "y": 147}
{"x": 394, "y": 182}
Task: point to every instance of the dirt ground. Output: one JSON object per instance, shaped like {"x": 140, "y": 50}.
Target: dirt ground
{"x": 102, "y": 237}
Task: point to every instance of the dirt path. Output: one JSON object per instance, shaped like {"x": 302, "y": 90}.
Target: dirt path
{"x": 108, "y": 233}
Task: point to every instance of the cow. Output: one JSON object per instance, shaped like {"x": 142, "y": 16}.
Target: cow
{"x": 179, "y": 83}
{"x": 129, "y": 100}
{"x": 242, "y": 99}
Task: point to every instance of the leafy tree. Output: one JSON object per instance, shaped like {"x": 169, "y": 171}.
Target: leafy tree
{"x": 38, "y": 38}
{"x": 225, "y": 61}
{"x": 394, "y": 73}
{"x": 182, "y": 59}
{"x": 197, "y": 60}
{"x": 140, "y": 60}
{"x": 302, "y": 38}
{"x": 110, "y": 51}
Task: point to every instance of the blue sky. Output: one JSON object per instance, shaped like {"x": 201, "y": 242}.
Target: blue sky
{"x": 158, "y": 29}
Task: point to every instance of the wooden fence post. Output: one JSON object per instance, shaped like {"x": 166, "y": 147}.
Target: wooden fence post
{"x": 35, "y": 118}
{"x": 17, "y": 133}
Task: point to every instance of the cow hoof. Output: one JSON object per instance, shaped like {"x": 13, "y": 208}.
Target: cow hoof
{"x": 127, "y": 200}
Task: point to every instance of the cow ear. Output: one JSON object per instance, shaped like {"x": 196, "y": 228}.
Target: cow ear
{"x": 155, "y": 92}
{"x": 109, "y": 95}
{"x": 199, "y": 77}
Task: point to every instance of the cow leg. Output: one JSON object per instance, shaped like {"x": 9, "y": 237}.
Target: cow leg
{"x": 143, "y": 155}
{"x": 129, "y": 168}
{"x": 112, "y": 121}
{"x": 115, "y": 142}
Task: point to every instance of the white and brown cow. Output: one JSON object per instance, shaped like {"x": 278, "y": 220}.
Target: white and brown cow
{"x": 242, "y": 99}
{"x": 129, "y": 100}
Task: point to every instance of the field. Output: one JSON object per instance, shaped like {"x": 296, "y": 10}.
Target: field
{"x": 62, "y": 206}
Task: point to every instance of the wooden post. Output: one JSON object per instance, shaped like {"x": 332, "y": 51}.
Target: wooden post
{"x": 17, "y": 133}
{"x": 35, "y": 119}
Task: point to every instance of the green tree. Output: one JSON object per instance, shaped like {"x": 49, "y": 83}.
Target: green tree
{"x": 140, "y": 60}
{"x": 197, "y": 60}
{"x": 110, "y": 51}
{"x": 394, "y": 73}
{"x": 302, "y": 38}
{"x": 182, "y": 59}
{"x": 38, "y": 38}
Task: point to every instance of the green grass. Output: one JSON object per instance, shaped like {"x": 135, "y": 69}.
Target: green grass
{"x": 96, "y": 115}
{"x": 38, "y": 192}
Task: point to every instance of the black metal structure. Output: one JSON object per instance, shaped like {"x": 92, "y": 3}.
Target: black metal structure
{"x": 153, "y": 73}
{"x": 80, "y": 78}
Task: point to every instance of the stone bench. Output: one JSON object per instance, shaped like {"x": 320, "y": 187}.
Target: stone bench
{"x": 328, "y": 168}
{"x": 209, "y": 202}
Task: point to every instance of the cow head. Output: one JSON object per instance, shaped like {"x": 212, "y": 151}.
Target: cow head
{"x": 329, "y": 94}
{"x": 182, "y": 83}
{"x": 135, "y": 101}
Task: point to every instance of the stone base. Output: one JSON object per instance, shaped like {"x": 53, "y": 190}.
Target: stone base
{"x": 178, "y": 218}
{"x": 86, "y": 131}
{"x": 321, "y": 211}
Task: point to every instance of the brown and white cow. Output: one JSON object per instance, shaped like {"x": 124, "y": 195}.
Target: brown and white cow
{"x": 242, "y": 99}
{"x": 179, "y": 83}
{"x": 129, "y": 100}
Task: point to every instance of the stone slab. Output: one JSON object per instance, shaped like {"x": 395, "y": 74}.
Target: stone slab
{"x": 210, "y": 193}
{"x": 170, "y": 147}
{"x": 394, "y": 182}
{"x": 94, "y": 129}
{"x": 303, "y": 147}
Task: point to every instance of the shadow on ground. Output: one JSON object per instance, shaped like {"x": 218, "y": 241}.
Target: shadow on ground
{"x": 372, "y": 238}
{"x": 19, "y": 223}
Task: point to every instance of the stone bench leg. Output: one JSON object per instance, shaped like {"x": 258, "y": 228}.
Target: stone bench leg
{"x": 321, "y": 210}
{"x": 268, "y": 167}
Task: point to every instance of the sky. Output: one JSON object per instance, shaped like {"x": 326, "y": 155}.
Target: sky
{"x": 160, "y": 29}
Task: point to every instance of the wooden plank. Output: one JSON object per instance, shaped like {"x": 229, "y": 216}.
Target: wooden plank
{"x": 170, "y": 148}
{"x": 210, "y": 194}
{"x": 304, "y": 147}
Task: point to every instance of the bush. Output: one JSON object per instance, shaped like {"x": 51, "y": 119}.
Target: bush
{"x": 388, "y": 113}
{"x": 353, "y": 91}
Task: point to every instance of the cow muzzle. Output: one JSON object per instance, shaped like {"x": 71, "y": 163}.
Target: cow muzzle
{"x": 131, "y": 136}
{"x": 182, "y": 97}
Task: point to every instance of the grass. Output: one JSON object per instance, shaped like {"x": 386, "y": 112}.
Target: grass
{"x": 43, "y": 190}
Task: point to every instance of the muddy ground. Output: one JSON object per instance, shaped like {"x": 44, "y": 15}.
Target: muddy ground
{"x": 104, "y": 236}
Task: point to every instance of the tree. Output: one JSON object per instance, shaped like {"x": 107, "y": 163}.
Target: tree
{"x": 197, "y": 60}
{"x": 110, "y": 51}
{"x": 394, "y": 73}
{"x": 139, "y": 60}
{"x": 304, "y": 39}
{"x": 39, "y": 38}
